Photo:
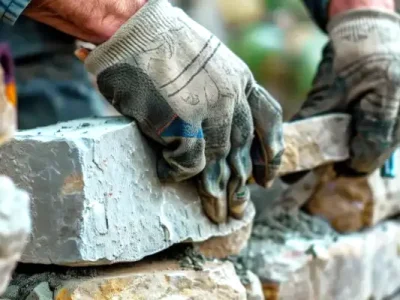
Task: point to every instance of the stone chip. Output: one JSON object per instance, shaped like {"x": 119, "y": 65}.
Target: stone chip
{"x": 41, "y": 292}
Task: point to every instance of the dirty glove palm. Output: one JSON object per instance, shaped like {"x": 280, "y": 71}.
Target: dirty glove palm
{"x": 194, "y": 97}
{"x": 360, "y": 74}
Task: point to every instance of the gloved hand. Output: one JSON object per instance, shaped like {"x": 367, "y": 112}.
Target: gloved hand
{"x": 360, "y": 74}
{"x": 189, "y": 93}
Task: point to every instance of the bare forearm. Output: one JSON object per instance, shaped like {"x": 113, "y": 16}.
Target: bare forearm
{"x": 339, "y": 6}
{"x": 322, "y": 10}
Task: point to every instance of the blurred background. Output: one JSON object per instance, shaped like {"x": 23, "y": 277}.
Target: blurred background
{"x": 276, "y": 38}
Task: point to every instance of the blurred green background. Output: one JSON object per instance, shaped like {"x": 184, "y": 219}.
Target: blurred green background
{"x": 276, "y": 38}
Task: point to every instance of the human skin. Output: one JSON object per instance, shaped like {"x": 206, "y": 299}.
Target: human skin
{"x": 93, "y": 21}
{"x": 339, "y": 6}
{"x": 96, "y": 21}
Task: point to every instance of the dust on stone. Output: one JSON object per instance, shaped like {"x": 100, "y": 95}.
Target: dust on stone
{"x": 27, "y": 279}
{"x": 279, "y": 225}
{"x": 191, "y": 258}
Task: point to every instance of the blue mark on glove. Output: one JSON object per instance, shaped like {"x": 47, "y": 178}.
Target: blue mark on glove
{"x": 389, "y": 169}
{"x": 180, "y": 128}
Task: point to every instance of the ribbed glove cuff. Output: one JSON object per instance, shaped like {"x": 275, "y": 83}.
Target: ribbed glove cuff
{"x": 155, "y": 17}
{"x": 361, "y": 32}
{"x": 357, "y": 17}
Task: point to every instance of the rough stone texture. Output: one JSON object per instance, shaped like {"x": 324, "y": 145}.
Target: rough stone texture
{"x": 357, "y": 266}
{"x": 96, "y": 198}
{"x": 41, "y": 292}
{"x": 224, "y": 246}
{"x": 349, "y": 204}
{"x": 254, "y": 290}
{"x": 315, "y": 141}
{"x": 15, "y": 226}
{"x": 162, "y": 280}
{"x": 11, "y": 292}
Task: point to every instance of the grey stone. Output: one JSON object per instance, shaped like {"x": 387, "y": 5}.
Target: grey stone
{"x": 266, "y": 199}
{"x": 41, "y": 292}
{"x": 96, "y": 198}
{"x": 315, "y": 141}
{"x": 254, "y": 290}
{"x": 11, "y": 292}
{"x": 305, "y": 265}
{"x": 15, "y": 225}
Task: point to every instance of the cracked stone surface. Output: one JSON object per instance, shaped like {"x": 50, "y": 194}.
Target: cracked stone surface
{"x": 307, "y": 266}
{"x": 15, "y": 224}
{"x": 96, "y": 198}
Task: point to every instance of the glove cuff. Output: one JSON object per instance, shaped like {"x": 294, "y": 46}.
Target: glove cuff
{"x": 359, "y": 33}
{"x": 360, "y": 24}
{"x": 154, "y": 18}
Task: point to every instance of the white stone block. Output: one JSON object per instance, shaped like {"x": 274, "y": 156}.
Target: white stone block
{"x": 15, "y": 224}
{"x": 96, "y": 198}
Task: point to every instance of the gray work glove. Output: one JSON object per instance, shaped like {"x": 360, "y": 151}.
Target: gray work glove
{"x": 193, "y": 96}
{"x": 360, "y": 75}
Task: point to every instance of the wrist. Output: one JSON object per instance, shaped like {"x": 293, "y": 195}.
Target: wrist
{"x": 149, "y": 24}
{"x": 339, "y": 6}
